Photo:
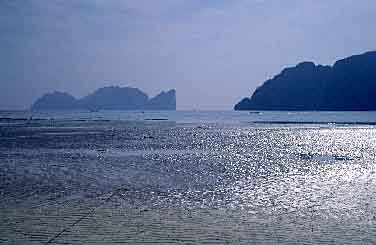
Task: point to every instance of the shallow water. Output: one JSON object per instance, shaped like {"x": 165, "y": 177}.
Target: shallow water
{"x": 170, "y": 182}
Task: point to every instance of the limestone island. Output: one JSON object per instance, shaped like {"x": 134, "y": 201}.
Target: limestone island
{"x": 107, "y": 98}
{"x": 348, "y": 85}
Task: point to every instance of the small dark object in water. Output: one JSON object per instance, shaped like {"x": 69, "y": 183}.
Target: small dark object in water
{"x": 255, "y": 112}
{"x": 12, "y": 119}
{"x": 148, "y": 137}
{"x": 123, "y": 189}
{"x": 156, "y": 119}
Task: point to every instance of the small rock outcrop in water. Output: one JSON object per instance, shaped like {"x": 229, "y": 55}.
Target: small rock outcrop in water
{"x": 108, "y": 98}
{"x": 348, "y": 85}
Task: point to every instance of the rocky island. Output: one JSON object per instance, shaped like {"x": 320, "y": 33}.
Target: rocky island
{"x": 107, "y": 98}
{"x": 348, "y": 85}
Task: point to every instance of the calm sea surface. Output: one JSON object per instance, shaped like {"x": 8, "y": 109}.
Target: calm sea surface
{"x": 188, "y": 177}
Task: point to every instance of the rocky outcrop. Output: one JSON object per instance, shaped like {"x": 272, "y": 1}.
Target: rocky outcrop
{"x": 115, "y": 98}
{"x": 350, "y": 84}
{"x": 56, "y": 101}
{"x": 163, "y": 101}
{"x": 108, "y": 98}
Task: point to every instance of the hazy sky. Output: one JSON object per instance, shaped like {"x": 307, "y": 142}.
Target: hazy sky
{"x": 214, "y": 52}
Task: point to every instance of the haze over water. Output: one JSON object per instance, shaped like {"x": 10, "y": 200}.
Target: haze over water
{"x": 88, "y": 174}
{"x": 212, "y": 177}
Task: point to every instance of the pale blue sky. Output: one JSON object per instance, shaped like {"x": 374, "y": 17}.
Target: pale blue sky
{"x": 214, "y": 52}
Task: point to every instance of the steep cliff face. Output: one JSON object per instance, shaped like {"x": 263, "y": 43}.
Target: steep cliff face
{"x": 108, "y": 98}
{"x": 163, "y": 101}
{"x": 349, "y": 85}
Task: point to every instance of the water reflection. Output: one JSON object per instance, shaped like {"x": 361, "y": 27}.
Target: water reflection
{"x": 221, "y": 184}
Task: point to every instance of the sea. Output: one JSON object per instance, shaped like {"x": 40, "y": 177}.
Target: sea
{"x": 187, "y": 177}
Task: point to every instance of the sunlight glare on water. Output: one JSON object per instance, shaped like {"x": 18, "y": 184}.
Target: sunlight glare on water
{"x": 163, "y": 182}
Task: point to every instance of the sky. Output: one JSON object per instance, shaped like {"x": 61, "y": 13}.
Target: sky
{"x": 213, "y": 52}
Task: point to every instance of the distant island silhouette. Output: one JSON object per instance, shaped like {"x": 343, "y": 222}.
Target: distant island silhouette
{"x": 107, "y": 98}
{"x": 348, "y": 85}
